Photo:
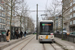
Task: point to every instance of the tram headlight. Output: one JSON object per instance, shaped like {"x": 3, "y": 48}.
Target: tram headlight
{"x": 41, "y": 36}
{"x": 51, "y": 33}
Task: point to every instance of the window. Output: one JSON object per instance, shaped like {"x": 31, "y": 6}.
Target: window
{"x": 3, "y": 26}
{"x": 0, "y": 14}
{"x": 3, "y": 14}
{"x": 9, "y": 18}
{"x": 9, "y": 8}
{"x": 9, "y": 4}
{"x": 0, "y": 7}
{"x": 71, "y": 4}
{"x": 0, "y": 20}
{"x": 70, "y": 10}
{"x": 74, "y": 8}
{"x": 8, "y": 22}
{"x": 71, "y": 23}
{"x": 0, "y": 25}
{"x": 73, "y": 14}
{"x": 73, "y": 1}
{"x": 4, "y": 21}
{"x": 9, "y": 13}
{"x": 70, "y": 16}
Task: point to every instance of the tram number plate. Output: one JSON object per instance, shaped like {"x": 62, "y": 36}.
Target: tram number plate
{"x": 46, "y": 37}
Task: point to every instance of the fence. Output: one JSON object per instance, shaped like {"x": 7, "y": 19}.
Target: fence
{"x": 70, "y": 38}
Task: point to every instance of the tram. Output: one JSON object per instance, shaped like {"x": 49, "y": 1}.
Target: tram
{"x": 45, "y": 30}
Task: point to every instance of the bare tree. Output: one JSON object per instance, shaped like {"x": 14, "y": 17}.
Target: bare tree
{"x": 22, "y": 10}
{"x": 11, "y": 6}
{"x": 55, "y": 9}
{"x": 18, "y": 6}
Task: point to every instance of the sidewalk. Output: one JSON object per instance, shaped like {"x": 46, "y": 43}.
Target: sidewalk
{"x": 65, "y": 44}
{"x": 5, "y": 44}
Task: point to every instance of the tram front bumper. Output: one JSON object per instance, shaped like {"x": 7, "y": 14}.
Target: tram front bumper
{"x": 46, "y": 40}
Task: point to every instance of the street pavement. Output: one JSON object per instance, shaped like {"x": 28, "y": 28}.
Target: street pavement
{"x": 30, "y": 43}
{"x": 65, "y": 44}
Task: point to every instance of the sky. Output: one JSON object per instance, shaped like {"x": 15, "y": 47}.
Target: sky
{"x": 41, "y": 6}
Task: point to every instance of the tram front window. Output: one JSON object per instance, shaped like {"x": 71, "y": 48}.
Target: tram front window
{"x": 46, "y": 28}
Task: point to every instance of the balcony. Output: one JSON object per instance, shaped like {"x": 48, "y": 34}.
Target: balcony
{"x": 73, "y": 25}
{"x": 2, "y": 16}
{"x": 65, "y": 21}
{"x": 73, "y": 18}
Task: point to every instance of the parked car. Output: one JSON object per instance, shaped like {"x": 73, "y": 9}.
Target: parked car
{"x": 64, "y": 32}
{"x": 72, "y": 33}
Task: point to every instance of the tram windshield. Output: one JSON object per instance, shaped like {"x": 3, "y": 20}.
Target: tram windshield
{"x": 46, "y": 27}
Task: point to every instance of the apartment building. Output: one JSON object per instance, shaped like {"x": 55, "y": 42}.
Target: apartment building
{"x": 58, "y": 22}
{"x": 8, "y": 13}
{"x": 72, "y": 15}
{"x": 2, "y": 16}
{"x": 66, "y": 14}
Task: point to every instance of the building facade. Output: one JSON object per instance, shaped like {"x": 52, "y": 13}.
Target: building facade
{"x": 72, "y": 15}
{"x": 8, "y": 13}
{"x": 58, "y": 23}
{"x": 2, "y": 16}
{"x": 69, "y": 15}
{"x": 66, "y": 15}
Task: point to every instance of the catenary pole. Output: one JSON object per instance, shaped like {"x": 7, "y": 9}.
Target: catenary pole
{"x": 37, "y": 21}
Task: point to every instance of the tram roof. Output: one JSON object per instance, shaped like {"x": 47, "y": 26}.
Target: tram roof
{"x": 46, "y": 21}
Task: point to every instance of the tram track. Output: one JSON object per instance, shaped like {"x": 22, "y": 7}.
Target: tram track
{"x": 22, "y": 43}
{"x": 56, "y": 46}
{"x": 29, "y": 43}
{"x": 43, "y": 47}
{"x": 11, "y": 46}
{"x": 53, "y": 46}
{"x": 26, "y": 44}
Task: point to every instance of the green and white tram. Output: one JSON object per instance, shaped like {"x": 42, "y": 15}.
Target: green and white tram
{"x": 45, "y": 30}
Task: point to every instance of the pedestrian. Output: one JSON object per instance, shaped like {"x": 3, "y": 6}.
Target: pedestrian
{"x": 21, "y": 33}
{"x": 8, "y": 36}
{"x": 17, "y": 34}
{"x": 24, "y": 33}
